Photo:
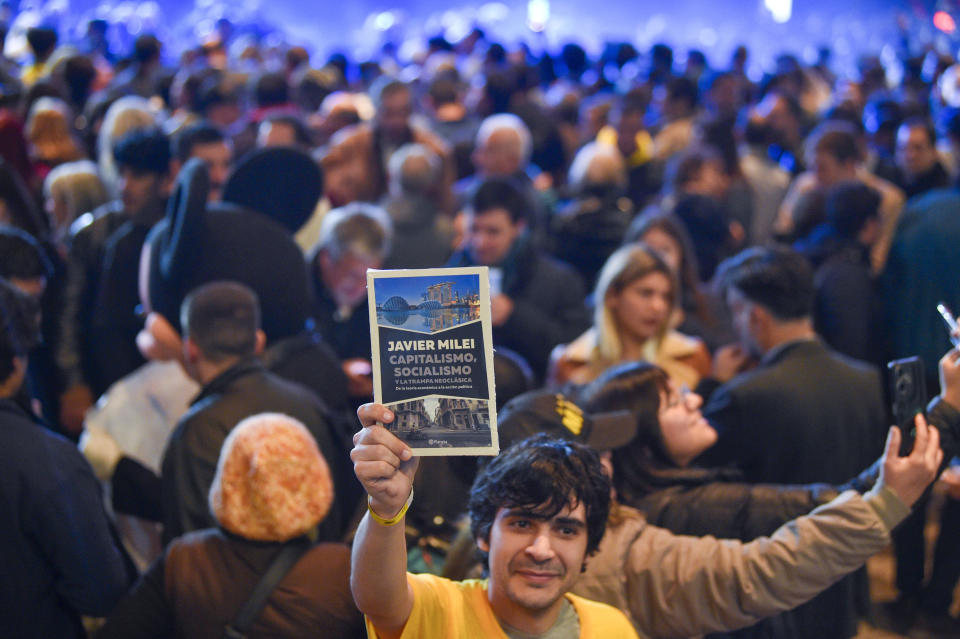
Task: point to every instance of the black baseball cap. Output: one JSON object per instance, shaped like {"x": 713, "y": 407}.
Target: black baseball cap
{"x": 558, "y": 414}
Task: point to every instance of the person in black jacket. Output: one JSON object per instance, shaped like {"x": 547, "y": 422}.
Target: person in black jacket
{"x": 353, "y": 238}
{"x": 222, "y": 337}
{"x": 846, "y": 303}
{"x": 773, "y": 420}
{"x": 220, "y": 351}
{"x": 98, "y": 322}
{"x": 59, "y": 558}
{"x": 540, "y": 301}
{"x": 805, "y": 413}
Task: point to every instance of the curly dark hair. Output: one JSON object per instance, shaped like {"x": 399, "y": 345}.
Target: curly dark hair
{"x": 545, "y": 474}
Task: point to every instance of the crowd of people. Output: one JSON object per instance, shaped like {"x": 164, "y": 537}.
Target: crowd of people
{"x": 696, "y": 282}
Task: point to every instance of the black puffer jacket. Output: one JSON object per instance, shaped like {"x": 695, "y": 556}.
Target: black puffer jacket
{"x": 548, "y": 303}
{"x": 190, "y": 460}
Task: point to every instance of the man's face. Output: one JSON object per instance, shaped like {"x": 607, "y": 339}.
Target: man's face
{"x": 783, "y": 123}
{"x": 533, "y": 560}
{"x": 223, "y": 115}
{"x": 217, "y": 155}
{"x": 140, "y": 191}
{"x": 491, "y": 235}
{"x": 829, "y": 170}
{"x": 710, "y": 181}
{"x": 916, "y": 153}
{"x": 499, "y": 154}
{"x": 394, "y": 113}
{"x": 346, "y": 276}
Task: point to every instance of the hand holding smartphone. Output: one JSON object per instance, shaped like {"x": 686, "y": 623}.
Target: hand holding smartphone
{"x": 908, "y": 392}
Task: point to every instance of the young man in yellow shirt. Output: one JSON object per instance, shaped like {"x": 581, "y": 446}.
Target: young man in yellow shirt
{"x": 538, "y": 511}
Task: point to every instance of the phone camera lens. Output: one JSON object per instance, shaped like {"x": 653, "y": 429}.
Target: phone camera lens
{"x": 905, "y": 385}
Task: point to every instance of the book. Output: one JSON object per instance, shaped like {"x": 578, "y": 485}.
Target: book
{"x": 432, "y": 351}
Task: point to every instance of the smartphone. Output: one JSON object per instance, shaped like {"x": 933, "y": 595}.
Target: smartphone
{"x": 908, "y": 393}
{"x": 951, "y": 323}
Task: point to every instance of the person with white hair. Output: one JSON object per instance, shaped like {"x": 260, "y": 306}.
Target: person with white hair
{"x": 504, "y": 146}
{"x": 353, "y": 238}
{"x": 503, "y": 149}
{"x": 69, "y": 191}
{"x": 422, "y": 237}
{"x": 587, "y": 230}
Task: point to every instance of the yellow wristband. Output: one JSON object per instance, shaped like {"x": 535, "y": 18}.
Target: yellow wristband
{"x": 396, "y": 518}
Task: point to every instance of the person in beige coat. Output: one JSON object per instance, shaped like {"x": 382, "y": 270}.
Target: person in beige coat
{"x": 635, "y": 298}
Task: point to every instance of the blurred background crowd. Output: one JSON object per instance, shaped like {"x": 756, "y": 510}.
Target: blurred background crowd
{"x": 604, "y": 181}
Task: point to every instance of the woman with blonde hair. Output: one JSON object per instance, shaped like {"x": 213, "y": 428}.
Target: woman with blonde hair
{"x": 69, "y": 191}
{"x": 49, "y": 135}
{"x": 635, "y": 296}
{"x": 128, "y": 113}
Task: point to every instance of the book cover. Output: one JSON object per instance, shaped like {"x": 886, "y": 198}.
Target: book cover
{"x": 432, "y": 351}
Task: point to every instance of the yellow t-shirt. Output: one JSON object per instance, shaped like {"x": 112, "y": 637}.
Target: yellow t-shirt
{"x": 448, "y": 609}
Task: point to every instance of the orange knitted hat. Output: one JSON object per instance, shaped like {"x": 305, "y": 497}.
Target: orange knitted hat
{"x": 272, "y": 483}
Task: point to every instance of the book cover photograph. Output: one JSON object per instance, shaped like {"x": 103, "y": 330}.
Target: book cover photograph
{"x": 432, "y": 351}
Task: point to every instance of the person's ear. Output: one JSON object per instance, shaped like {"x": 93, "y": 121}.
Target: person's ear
{"x": 758, "y": 317}
{"x": 760, "y": 323}
{"x": 260, "y": 342}
{"x": 191, "y": 352}
{"x": 323, "y": 259}
{"x": 12, "y": 383}
{"x": 159, "y": 340}
{"x": 483, "y": 544}
{"x": 612, "y": 299}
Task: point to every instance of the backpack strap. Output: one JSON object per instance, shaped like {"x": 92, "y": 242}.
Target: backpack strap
{"x": 276, "y": 571}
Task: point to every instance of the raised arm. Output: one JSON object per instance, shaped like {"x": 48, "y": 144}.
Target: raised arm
{"x": 682, "y": 586}
{"x": 378, "y": 577}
